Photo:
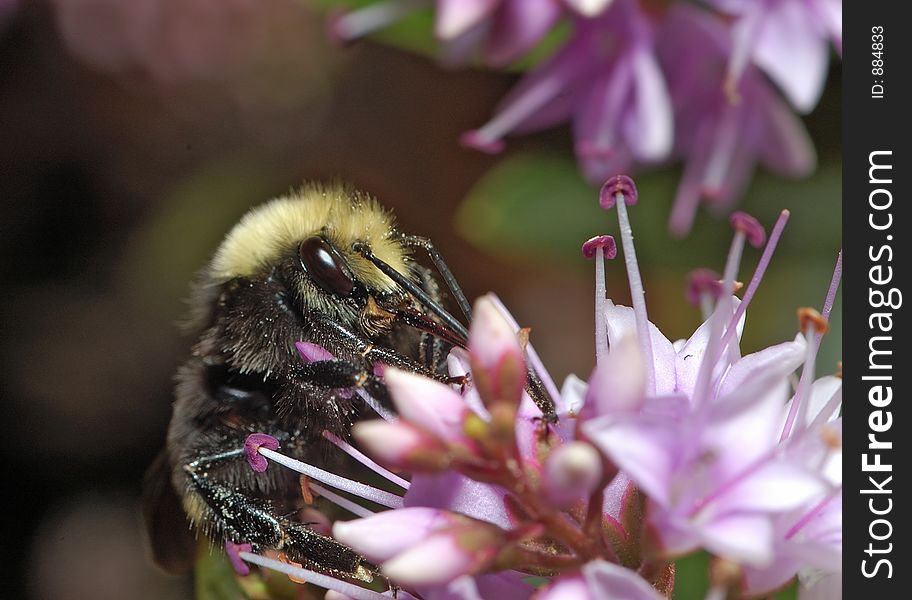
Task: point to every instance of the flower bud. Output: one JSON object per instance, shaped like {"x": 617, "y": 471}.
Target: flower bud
{"x": 572, "y": 472}
{"x": 400, "y": 445}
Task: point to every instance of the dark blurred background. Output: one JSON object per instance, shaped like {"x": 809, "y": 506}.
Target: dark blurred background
{"x": 134, "y": 134}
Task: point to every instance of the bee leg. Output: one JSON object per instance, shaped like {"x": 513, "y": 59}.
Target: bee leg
{"x": 336, "y": 334}
{"x": 341, "y": 374}
{"x": 231, "y": 514}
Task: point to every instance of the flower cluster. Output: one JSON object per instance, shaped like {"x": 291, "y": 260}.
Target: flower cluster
{"x": 667, "y": 449}
{"x": 644, "y": 82}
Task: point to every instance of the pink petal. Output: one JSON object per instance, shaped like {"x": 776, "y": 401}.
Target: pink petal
{"x": 460, "y": 494}
{"x": 618, "y": 383}
{"x": 390, "y": 532}
{"x": 426, "y": 403}
{"x": 741, "y": 538}
{"x": 690, "y": 356}
{"x": 817, "y": 586}
{"x": 608, "y": 580}
{"x": 746, "y": 424}
{"x": 461, "y": 588}
{"x": 650, "y": 132}
{"x": 830, "y": 13}
{"x": 645, "y": 449}
{"x": 503, "y": 584}
{"x": 776, "y": 487}
{"x": 787, "y": 148}
{"x": 767, "y": 580}
{"x": 455, "y": 17}
{"x": 518, "y": 26}
{"x": 491, "y": 337}
{"x": 566, "y": 588}
{"x": 588, "y": 8}
{"x": 397, "y": 444}
{"x": 790, "y": 48}
{"x": 439, "y": 559}
{"x": 826, "y": 394}
{"x": 782, "y": 359}
{"x": 621, "y": 322}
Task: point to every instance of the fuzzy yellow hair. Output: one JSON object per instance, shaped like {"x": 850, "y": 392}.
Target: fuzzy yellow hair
{"x": 341, "y": 214}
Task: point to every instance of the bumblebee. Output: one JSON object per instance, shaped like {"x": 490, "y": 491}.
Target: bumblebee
{"x": 324, "y": 265}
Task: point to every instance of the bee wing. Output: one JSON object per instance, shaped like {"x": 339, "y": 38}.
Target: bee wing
{"x": 172, "y": 542}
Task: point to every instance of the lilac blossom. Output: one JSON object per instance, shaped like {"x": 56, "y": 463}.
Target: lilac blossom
{"x": 607, "y": 81}
{"x": 788, "y": 39}
{"x": 644, "y": 83}
{"x": 668, "y": 448}
{"x": 721, "y": 132}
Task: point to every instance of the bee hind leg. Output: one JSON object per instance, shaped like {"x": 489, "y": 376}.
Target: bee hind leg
{"x": 227, "y": 513}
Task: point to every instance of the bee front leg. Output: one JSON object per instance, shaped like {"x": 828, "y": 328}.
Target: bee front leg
{"x": 337, "y": 374}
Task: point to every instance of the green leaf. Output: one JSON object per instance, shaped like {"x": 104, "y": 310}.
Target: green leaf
{"x": 531, "y": 207}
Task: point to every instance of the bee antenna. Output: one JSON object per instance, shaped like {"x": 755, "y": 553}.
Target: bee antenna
{"x": 413, "y": 289}
{"x": 414, "y": 241}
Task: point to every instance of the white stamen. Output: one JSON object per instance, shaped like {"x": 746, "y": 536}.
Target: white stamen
{"x": 355, "y": 488}
{"x": 341, "y": 501}
{"x": 828, "y": 409}
{"x": 719, "y": 319}
{"x": 366, "y": 460}
{"x": 706, "y": 305}
{"x": 757, "y": 277}
{"x": 637, "y": 293}
{"x": 376, "y": 406}
{"x": 798, "y": 411}
{"x": 601, "y": 293}
{"x": 324, "y": 581}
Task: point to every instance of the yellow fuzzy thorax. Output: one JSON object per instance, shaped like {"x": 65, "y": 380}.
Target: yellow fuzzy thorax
{"x": 339, "y": 213}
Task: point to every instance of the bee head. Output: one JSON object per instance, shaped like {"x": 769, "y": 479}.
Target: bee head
{"x": 309, "y": 238}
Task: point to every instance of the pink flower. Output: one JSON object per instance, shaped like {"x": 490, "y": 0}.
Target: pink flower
{"x": 788, "y": 39}
{"x": 668, "y": 448}
{"x": 722, "y": 135}
{"x": 607, "y": 81}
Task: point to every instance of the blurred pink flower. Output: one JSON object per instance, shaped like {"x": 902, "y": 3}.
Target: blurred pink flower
{"x": 722, "y": 134}
{"x": 788, "y": 39}
{"x": 645, "y": 83}
{"x": 262, "y": 53}
{"x": 607, "y": 81}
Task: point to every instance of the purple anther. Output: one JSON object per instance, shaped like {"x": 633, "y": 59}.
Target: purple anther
{"x": 703, "y": 281}
{"x": 752, "y": 228}
{"x": 605, "y": 242}
{"x": 234, "y": 556}
{"x": 252, "y": 446}
{"x": 619, "y": 184}
{"x": 313, "y": 352}
{"x": 476, "y": 140}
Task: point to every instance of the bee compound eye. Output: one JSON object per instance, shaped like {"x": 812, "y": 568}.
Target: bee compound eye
{"x": 323, "y": 265}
